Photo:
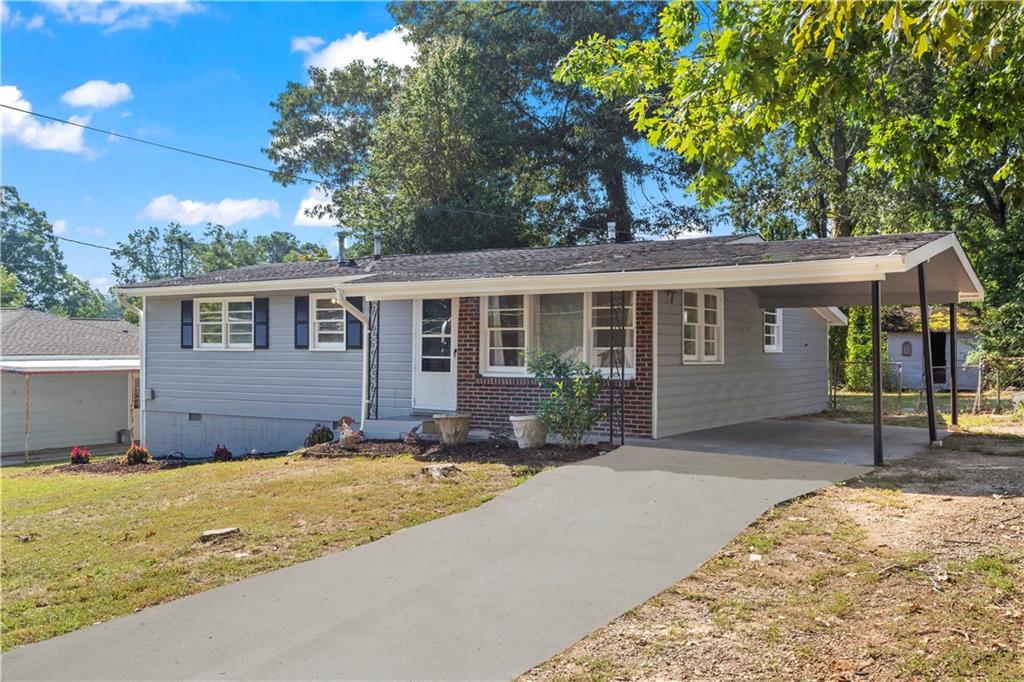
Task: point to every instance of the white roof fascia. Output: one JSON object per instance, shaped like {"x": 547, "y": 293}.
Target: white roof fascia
{"x": 834, "y": 316}
{"x": 79, "y": 365}
{"x": 925, "y": 253}
{"x": 232, "y": 287}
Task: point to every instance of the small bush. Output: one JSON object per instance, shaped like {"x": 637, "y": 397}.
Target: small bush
{"x": 80, "y": 455}
{"x": 221, "y": 453}
{"x": 571, "y": 410}
{"x": 319, "y": 434}
{"x": 136, "y": 454}
{"x": 349, "y": 438}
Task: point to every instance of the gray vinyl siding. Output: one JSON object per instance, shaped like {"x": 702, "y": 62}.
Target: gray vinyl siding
{"x": 296, "y": 387}
{"x": 750, "y": 384}
{"x": 64, "y": 410}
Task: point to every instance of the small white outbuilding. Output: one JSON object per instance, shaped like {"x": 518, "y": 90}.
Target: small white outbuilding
{"x": 65, "y": 382}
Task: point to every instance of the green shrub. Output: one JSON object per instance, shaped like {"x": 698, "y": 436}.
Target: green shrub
{"x": 571, "y": 409}
{"x": 319, "y": 434}
{"x": 137, "y": 454}
{"x": 858, "y": 350}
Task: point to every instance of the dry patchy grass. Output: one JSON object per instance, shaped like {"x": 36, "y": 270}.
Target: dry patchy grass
{"x": 79, "y": 549}
{"x": 913, "y": 573}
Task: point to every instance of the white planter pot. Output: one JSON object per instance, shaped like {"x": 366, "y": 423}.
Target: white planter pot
{"x": 454, "y": 428}
{"x": 530, "y": 431}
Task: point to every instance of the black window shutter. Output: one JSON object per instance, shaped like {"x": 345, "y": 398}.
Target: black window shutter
{"x": 261, "y": 323}
{"x": 353, "y": 327}
{"x": 302, "y": 321}
{"x": 186, "y": 324}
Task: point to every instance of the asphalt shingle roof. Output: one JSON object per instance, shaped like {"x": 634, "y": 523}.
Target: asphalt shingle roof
{"x": 596, "y": 258}
{"x": 33, "y": 332}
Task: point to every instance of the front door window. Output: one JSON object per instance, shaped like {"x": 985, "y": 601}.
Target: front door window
{"x": 436, "y": 335}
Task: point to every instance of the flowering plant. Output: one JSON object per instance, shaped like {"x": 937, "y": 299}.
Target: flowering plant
{"x": 221, "y": 453}
{"x": 136, "y": 454}
{"x": 80, "y": 455}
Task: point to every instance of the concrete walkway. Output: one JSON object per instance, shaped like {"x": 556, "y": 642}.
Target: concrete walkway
{"x": 807, "y": 439}
{"x": 483, "y": 595}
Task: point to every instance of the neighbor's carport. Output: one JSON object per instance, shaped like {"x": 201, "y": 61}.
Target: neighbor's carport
{"x": 84, "y": 399}
{"x": 935, "y": 273}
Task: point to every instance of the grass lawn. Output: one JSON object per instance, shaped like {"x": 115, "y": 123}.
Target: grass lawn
{"x": 913, "y": 572}
{"x": 81, "y": 548}
{"x": 856, "y": 407}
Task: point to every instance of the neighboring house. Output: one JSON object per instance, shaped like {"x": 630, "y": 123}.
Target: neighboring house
{"x": 905, "y": 344}
{"x": 713, "y": 331}
{"x": 73, "y": 378}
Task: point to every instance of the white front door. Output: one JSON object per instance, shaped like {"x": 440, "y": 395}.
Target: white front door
{"x": 434, "y": 361}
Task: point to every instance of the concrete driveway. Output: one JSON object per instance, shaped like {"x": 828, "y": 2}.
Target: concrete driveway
{"x": 483, "y": 595}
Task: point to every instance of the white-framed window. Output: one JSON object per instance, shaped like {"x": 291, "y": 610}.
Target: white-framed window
{"x": 772, "y": 330}
{"x": 327, "y": 323}
{"x": 505, "y": 335}
{"x": 576, "y": 326}
{"x": 703, "y": 318}
{"x": 224, "y": 323}
{"x": 612, "y": 327}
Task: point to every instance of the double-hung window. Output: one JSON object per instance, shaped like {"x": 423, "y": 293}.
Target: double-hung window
{"x": 598, "y": 328}
{"x": 224, "y": 323}
{"x": 327, "y": 319}
{"x": 773, "y": 330}
{"x": 702, "y": 326}
{"x": 506, "y": 333}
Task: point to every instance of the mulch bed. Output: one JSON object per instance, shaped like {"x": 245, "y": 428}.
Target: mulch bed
{"x": 115, "y": 466}
{"x": 494, "y": 451}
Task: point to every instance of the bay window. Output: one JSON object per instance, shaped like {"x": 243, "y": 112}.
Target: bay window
{"x": 224, "y": 323}
{"x": 772, "y": 321}
{"x": 702, "y": 326}
{"x": 574, "y": 326}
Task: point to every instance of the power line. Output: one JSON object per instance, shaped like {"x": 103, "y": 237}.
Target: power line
{"x": 181, "y": 150}
{"x": 67, "y": 239}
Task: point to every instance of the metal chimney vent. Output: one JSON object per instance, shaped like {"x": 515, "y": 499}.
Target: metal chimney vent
{"x": 341, "y": 247}
{"x": 611, "y": 230}
{"x": 378, "y": 245}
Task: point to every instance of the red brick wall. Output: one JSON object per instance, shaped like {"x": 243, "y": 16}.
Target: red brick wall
{"x": 490, "y": 400}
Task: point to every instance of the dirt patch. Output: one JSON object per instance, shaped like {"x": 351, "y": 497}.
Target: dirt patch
{"x": 913, "y": 572}
{"x": 114, "y": 466}
{"x": 487, "y": 452}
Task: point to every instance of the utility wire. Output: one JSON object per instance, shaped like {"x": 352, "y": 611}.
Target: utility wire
{"x": 67, "y": 239}
{"x": 221, "y": 159}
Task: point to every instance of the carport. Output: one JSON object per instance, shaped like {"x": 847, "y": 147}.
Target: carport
{"x": 936, "y": 273}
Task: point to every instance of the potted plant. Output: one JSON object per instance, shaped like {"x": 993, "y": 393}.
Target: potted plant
{"x": 529, "y": 430}
{"x": 454, "y": 428}
{"x": 571, "y": 409}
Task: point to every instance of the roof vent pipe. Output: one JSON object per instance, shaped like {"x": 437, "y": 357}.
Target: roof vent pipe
{"x": 378, "y": 243}
{"x": 611, "y": 231}
{"x": 341, "y": 247}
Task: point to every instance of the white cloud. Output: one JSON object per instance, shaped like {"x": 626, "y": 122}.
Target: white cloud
{"x": 34, "y": 133}
{"x": 119, "y": 16}
{"x": 15, "y": 19}
{"x": 314, "y": 197}
{"x": 60, "y": 226}
{"x": 91, "y": 231}
{"x": 306, "y": 43}
{"x": 97, "y": 93}
{"x": 387, "y": 45}
{"x": 101, "y": 283}
{"x": 224, "y": 212}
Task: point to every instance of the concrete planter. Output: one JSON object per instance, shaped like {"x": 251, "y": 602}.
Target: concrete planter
{"x": 454, "y": 428}
{"x": 529, "y": 430}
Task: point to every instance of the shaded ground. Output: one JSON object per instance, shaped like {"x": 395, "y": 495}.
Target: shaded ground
{"x": 911, "y": 572}
{"x": 79, "y": 549}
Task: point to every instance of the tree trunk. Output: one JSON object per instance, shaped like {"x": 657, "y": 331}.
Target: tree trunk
{"x": 618, "y": 203}
{"x": 843, "y": 221}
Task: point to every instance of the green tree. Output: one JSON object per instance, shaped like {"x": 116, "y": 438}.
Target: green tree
{"x": 32, "y": 254}
{"x": 11, "y": 294}
{"x": 858, "y": 349}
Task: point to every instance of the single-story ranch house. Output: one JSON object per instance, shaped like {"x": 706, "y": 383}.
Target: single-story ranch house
{"x": 65, "y": 382}
{"x": 697, "y": 333}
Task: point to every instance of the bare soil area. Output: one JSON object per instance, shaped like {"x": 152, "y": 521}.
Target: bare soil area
{"x": 913, "y": 572}
{"x": 113, "y": 465}
{"x": 495, "y": 451}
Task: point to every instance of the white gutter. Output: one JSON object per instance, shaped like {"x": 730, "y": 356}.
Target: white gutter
{"x": 143, "y": 394}
{"x": 229, "y": 287}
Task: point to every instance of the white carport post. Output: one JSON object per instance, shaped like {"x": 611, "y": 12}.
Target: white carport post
{"x": 26, "y": 375}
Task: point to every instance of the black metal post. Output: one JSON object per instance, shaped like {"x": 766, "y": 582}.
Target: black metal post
{"x": 926, "y": 345}
{"x": 954, "y": 408}
{"x": 876, "y": 369}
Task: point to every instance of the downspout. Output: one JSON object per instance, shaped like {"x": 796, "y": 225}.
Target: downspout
{"x": 143, "y": 394}
{"x": 364, "y": 319}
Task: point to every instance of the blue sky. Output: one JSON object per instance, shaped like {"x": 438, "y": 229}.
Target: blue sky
{"x": 188, "y": 75}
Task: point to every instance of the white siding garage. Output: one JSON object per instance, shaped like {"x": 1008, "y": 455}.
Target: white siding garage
{"x": 64, "y": 409}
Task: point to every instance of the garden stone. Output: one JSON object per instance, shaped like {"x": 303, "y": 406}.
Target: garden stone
{"x": 217, "y": 534}
{"x": 442, "y": 471}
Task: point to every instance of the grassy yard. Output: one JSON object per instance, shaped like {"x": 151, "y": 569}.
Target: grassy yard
{"x": 909, "y": 411}
{"x": 80, "y": 548}
{"x": 914, "y": 572}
